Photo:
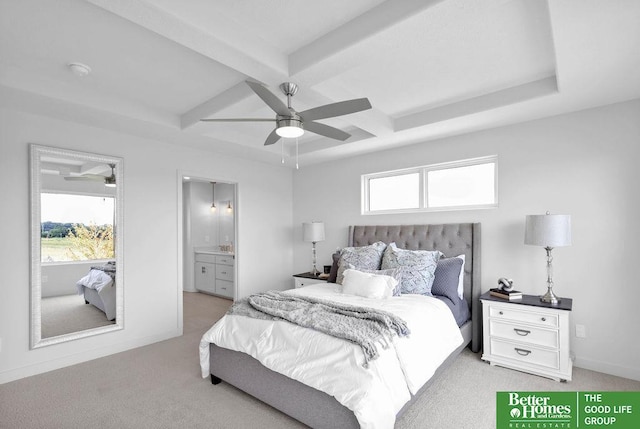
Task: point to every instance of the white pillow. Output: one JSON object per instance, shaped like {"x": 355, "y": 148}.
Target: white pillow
{"x": 368, "y": 285}
{"x": 461, "y": 278}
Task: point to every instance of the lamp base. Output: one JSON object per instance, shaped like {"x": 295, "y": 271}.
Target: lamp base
{"x": 314, "y": 271}
{"x": 550, "y": 298}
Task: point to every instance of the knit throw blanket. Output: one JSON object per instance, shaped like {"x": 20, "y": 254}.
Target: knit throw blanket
{"x": 361, "y": 325}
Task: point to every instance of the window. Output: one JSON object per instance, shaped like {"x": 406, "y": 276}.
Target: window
{"x": 401, "y": 191}
{"x": 467, "y": 184}
{"x": 76, "y": 227}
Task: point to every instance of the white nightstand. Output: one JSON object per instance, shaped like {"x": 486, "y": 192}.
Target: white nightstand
{"x": 306, "y": 279}
{"x": 527, "y": 335}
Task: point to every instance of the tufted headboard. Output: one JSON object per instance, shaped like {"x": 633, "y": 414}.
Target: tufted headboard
{"x": 451, "y": 239}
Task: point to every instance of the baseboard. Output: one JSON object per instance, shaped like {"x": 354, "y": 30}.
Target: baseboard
{"x": 608, "y": 368}
{"x": 50, "y": 365}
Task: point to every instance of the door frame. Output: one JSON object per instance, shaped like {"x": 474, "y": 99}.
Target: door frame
{"x": 199, "y": 177}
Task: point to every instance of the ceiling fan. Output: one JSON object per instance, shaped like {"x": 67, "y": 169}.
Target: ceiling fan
{"x": 290, "y": 123}
{"x": 109, "y": 181}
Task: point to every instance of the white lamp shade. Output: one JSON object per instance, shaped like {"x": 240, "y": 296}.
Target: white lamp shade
{"x": 313, "y": 231}
{"x": 548, "y": 230}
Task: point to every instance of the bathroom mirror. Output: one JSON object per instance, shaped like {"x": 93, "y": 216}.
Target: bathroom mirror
{"x": 76, "y": 245}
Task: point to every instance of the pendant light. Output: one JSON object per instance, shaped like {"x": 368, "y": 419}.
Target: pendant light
{"x": 213, "y": 197}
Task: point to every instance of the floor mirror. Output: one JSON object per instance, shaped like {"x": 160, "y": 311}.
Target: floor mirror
{"x": 76, "y": 244}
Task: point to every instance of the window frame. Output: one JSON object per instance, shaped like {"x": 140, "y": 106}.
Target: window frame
{"x": 423, "y": 187}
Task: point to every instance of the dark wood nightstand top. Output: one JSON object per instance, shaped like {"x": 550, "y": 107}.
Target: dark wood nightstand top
{"x": 532, "y": 300}
{"x": 308, "y": 276}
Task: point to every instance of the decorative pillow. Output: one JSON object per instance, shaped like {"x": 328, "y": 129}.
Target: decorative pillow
{"x": 418, "y": 266}
{"x": 367, "y": 285}
{"x": 395, "y": 273}
{"x": 333, "y": 274}
{"x": 362, "y": 258}
{"x": 446, "y": 279}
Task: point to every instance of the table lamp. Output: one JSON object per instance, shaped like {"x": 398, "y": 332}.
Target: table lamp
{"x": 548, "y": 231}
{"x": 313, "y": 232}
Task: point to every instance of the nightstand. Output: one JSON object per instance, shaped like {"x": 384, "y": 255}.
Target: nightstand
{"x": 306, "y": 279}
{"x": 527, "y": 335}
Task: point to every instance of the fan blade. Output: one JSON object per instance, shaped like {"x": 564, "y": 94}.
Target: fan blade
{"x": 326, "y": 130}
{"x": 91, "y": 177}
{"x": 336, "y": 109}
{"x": 239, "y": 120}
{"x": 273, "y": 137}
{"x": 270, "y": 98}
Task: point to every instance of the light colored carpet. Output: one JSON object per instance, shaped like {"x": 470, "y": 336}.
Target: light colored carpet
{"x": 69, "y": 313}
{"x": 159, "y": 386}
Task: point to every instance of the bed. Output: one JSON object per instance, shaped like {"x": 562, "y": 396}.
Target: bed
{"x": 98, "y": 288}
{"x": 318, "y": 409}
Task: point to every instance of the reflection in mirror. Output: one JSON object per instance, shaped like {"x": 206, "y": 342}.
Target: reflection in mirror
{"x": 76, "y": 245}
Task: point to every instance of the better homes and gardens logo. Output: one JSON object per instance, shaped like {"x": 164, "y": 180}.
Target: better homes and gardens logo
{"x": 547, "y": 410}
{"x": 539, "y": 410}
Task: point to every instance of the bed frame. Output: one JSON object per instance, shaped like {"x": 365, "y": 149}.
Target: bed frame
{"x": 318, "y": 409}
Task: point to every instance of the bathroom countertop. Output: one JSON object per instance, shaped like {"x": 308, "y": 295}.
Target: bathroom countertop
{"x": 212, "y": 251}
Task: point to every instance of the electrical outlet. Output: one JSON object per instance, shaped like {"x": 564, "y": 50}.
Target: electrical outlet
{"x": 44, "y": 279}
{"x": 581, "y": 331}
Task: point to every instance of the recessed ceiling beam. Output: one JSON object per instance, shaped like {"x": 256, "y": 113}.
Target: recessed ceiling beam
{"x": 505, "y": 97}
{"x": 370, "y": 23}
{"x": 257, "y": 60}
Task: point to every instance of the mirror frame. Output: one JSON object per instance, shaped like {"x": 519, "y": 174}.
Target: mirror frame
{"x": 36, "y": 154}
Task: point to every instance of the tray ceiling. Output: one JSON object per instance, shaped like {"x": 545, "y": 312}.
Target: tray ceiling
{"x": 431, "y": 69}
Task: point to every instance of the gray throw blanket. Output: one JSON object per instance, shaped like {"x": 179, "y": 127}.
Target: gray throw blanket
{"x": 361, "y": 325}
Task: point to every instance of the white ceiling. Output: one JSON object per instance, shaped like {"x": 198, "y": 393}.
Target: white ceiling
{"x": 430, "y": 68}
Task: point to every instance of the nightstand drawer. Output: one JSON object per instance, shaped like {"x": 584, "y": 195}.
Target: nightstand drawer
{"x": 527, "y": 354}
{"x": 525, "y": 334}
{"x": 516, "y": 314}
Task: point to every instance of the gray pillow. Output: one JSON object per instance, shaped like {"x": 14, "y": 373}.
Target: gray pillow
{"x": 446, "y": 278}
{"x": 333, "y": 273}
{"x": 362, "y": 258}
{"x": 418, "y": 267}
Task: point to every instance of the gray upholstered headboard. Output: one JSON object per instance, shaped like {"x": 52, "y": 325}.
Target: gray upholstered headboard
{"x": 451, "y": 239}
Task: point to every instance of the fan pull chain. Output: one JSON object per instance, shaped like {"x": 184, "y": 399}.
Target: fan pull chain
{"x": 282, "y": 151}
{"x": 296, "y": 153}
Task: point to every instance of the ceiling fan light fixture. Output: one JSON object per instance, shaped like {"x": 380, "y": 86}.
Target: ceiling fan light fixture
{"x": 289, "y": 128}
{"x": 110, "y": 181}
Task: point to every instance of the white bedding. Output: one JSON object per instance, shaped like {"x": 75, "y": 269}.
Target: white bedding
{"x": 103, "y": 284}
{"x": 334, "y": 366}
{"x": 96, "y": 279}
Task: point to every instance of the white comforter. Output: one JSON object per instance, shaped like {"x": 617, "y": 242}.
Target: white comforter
{"x": 96, "y": 279}
{"x": 334, "y": 366}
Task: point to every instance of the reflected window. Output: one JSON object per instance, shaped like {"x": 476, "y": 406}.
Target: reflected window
{"x": 76, "y": 227}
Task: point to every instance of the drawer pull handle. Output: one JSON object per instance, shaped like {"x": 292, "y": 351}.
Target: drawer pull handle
{"x": 544, "y": 319}
{"x": 522, "y": 332}
{"x": 204, "y": 270}
{"x": 500, "y": 313}
{"x": 522, "y": 352}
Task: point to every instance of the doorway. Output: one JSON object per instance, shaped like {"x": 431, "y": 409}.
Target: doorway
{"x": 207, "y": 237}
